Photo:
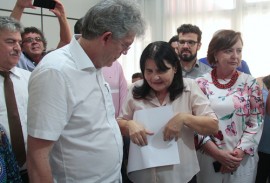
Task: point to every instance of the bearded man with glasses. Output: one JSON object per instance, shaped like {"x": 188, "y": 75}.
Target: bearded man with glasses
{"x": 189, "y": 44}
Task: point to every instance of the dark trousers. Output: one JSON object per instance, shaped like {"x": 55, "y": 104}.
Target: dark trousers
{"x": 263, "y": 170}
{"x": 193, "y": 180}
{"x": 24, "y": 176}
{"x": 125, "y": 160}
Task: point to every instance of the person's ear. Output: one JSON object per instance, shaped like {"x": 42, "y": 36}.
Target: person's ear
{"x": 215, "y": 56}
{"x": 174, "y": 70}
{"x": 199, "y": 46}
{"x": 106, "y": 36}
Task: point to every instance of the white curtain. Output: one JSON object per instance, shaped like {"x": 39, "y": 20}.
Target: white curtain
{"x": 250, "y": 17}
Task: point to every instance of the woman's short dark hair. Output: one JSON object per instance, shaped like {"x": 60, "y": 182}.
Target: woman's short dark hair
{"x": 222, "y": 40}
{"x": 160, "y": 52}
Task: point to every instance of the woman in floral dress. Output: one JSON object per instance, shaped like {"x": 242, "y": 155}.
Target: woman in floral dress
{"x": 230, "y": 156}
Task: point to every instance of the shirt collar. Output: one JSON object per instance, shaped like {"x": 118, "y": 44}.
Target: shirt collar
{"x": 186, "y": 86}
{"x": 15, "y": 71}
{"x": 197, "y": 64}
{"x": 79, "y": 55}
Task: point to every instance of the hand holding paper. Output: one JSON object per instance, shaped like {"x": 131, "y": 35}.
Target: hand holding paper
{"x": 157, "y": 152}
{"x": 138, "y": 134}
{"x": 173, "y": 127}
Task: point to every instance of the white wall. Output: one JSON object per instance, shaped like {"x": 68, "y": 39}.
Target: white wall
{"x": 74, "y": 9}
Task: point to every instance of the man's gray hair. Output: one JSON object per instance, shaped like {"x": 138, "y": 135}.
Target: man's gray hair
{"x": 10, "y": 24}
{"x": 120, "y": 17}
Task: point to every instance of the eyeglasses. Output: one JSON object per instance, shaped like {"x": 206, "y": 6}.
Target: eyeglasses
{"x": 125, "y": 47}
{"x": 31, "y": 39}
{"x": 190, "y": 43}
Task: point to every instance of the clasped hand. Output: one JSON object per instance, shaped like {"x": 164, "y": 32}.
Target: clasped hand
{"x": 230, "y": 160}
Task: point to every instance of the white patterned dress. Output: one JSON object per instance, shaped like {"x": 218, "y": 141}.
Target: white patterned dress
{"x": 240, "y": 113}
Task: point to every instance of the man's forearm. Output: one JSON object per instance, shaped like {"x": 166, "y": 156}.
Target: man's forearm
{"x": 39, "y": 173}
{"x": 38, "y": 165}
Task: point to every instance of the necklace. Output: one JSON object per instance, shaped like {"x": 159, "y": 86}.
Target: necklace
{"x": 223, "y": 86}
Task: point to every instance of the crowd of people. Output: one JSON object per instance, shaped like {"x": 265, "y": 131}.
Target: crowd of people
{"x": 68, "y": 115}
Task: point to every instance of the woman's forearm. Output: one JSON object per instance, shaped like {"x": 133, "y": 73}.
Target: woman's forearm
{"x": 204, "y": 125}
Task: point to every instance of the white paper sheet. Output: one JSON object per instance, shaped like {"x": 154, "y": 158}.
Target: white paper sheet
{"x": 157, "y": 152}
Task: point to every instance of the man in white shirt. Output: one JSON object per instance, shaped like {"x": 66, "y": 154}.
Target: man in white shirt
{"x": 72, "y": 132}
{"x": 10, "y": 51}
